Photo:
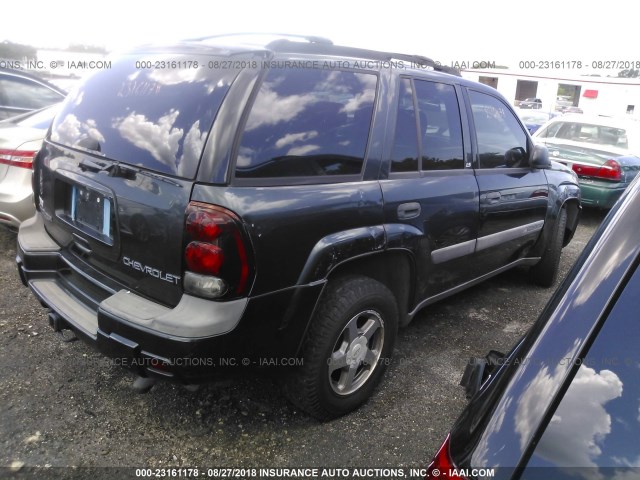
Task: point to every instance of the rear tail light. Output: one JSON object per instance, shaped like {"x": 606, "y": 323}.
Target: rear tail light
{"x": 17, "y": 158}
{"x": 610, "y": 170}
{"x": 217, "y": 254}
{"x": 442, "y": 465}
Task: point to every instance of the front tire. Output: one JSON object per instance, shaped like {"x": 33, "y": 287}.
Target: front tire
{"x": 347, "y": 349}
{"x": 545, "y": 272}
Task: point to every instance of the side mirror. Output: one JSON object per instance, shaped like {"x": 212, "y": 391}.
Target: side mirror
{"x": 514, "y": 157}
{"x": 540, "y": 157}
{"x": 478, "y": 370}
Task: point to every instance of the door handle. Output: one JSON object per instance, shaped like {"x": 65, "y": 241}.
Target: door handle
{"x": 491, "y": 197}
{"x": 409, "y": 210}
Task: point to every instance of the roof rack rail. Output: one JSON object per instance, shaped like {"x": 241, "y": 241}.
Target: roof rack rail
{"x": 280, "y": 36}
{"x": 426, "y": 61}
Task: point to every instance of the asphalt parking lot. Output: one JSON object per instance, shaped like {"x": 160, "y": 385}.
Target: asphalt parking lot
{"x": 62, "y": 404}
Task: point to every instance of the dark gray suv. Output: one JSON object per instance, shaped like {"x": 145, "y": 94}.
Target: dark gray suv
{"x": 221, "y": 204}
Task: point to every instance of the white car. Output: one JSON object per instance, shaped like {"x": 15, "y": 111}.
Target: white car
{"x": 603, "y": 151}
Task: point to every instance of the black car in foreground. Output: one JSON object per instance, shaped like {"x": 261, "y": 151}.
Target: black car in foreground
{"x": 564, "y": 404}
{"x": 212, "y": 205}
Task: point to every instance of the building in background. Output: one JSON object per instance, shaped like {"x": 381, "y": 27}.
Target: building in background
{"x": 559, "y": 91}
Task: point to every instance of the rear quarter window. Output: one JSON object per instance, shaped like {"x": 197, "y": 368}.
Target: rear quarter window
{"x": 307, "y": 123}
{"x": 154, "y": 118}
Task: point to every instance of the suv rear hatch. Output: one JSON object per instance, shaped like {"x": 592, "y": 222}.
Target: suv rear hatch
{"x": 116, "y": 173}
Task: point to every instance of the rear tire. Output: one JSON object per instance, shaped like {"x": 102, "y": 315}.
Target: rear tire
{"x": 347, "y": 349}
{"x": 545, "y": 272}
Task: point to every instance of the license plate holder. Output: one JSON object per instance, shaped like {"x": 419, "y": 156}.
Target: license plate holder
{"x": 91, "y": 212}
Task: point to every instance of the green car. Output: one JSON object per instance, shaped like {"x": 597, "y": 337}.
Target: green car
{"x": 603, "y": 151}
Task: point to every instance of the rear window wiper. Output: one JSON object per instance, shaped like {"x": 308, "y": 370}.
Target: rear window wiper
{"x": 117, "y": 169}
{"x": 91, "y": 166}
{"x": 113, "y": 169}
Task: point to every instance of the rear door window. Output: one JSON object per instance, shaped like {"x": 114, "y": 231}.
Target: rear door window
{"x": 307, "y": 123}
{"x": 156, "y": 118}
{"x": 404, "y": 156}
{"x": 440, "y": 126}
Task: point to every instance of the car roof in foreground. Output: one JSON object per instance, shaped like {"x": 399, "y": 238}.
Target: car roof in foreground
{"x": 504, "y": 420}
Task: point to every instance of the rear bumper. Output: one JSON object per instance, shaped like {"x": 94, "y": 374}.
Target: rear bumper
{"x": 600, "y": 194}
{"x": 16, "y": 199}
{"x": 188, "y": 343}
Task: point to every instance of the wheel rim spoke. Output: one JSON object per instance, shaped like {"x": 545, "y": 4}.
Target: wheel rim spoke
{"x": 347, "y": 378}
{"x": 351, "y": 330}
{"x": 371, "y": 358}
{"x": 370, "y": 328}
{"x": 337, "y": 361}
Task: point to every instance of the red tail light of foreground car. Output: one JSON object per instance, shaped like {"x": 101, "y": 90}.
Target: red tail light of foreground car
{"x": 442, "y": 465}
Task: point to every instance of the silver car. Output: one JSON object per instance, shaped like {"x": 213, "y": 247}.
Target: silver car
{"x": 20, "y": 139}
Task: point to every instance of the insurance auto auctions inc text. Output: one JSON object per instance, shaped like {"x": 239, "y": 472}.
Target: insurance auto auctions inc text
{"x": 305, "y": 473}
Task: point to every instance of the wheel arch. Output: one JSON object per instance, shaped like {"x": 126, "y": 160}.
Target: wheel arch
{"x": 392, "y": 268}
{"x": 566, "y": 196}
{"x": 572, "y": 205}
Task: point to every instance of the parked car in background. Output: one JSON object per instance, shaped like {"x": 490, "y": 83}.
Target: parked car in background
{"x": 20, "y": 139}
{"x": 300, "y": 208}
{"x": 529, "y": 103}
{"x": 603, "y": 151}
{"x": 21, "y": 92}
{"x": 573, "y": 109}
{"x": 564, "y": 403}
{"x": 563, "y": 104}
{"x": 534, "y": 119}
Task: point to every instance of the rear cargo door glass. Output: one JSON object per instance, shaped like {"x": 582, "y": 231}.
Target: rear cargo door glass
{"x": 154, "y": 112}
{"x": 307, "y": 122}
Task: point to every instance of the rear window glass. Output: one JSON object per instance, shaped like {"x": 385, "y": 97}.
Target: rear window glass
{"x": 307, "y": 122}
{"x": 26, "y": 93}
{"x": 155, "y": 118}
{"x": 588, "y": 133}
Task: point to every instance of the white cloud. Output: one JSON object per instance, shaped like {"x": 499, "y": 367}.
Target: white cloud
{"x": 159, "y": 138}
{"x": 271, "y": 109}
{"x": 303, "y": 150}
{"x": 291, "y": 138}
{"x": 70, "y": 130}
{"x": 191, "y": 148}
{"x": 581, "y": 423}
